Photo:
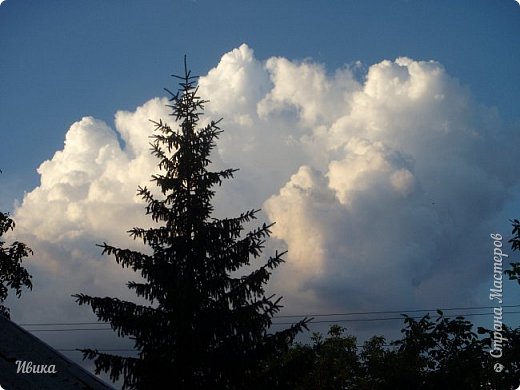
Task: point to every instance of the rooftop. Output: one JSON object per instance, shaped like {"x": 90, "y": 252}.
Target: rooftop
{"x": 17, "y": 344}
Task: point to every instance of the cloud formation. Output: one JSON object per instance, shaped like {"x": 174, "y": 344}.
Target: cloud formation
{"x": 384, "y": 189}
{"x": 87, "y": 195}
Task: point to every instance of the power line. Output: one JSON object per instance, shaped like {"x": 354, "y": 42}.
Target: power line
{"x": 304, "y": 315}
{"x": 309, "y": 315}
{"x": 392, "y": 311}
{"x": 136, "y": 350}
{"x": 100, "y": 350}
{"x": 337, "y": 320}
{"x": 391, "y": 318}
{"x": 67, "y": 329}
{"x": 285, "y": 323}
{"x": 64, "y": 323}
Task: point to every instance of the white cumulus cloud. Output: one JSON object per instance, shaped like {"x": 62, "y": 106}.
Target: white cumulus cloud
{"x": 383, "y": 189}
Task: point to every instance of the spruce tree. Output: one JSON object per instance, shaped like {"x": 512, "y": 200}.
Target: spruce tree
{"x": 205, "y": 327}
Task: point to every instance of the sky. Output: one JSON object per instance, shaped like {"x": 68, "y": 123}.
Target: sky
{"x": 380, "y": 136}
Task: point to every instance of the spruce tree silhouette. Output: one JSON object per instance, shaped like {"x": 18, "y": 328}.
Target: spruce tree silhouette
{"x": 205, "y": 327}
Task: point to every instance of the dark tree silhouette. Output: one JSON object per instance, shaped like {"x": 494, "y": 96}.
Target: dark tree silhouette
{"x": 12, "y": 274}
{"x": 441, "y": 353}
{"x": 514, "y": 272}
{"x": 206, "y": 327}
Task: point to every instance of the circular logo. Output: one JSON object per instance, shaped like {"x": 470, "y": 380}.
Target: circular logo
{"x": 498, "y": 367}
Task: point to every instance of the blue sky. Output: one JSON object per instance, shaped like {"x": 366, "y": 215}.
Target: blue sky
{"x": 65, "y": 59}
{"x": 380, "y": 135}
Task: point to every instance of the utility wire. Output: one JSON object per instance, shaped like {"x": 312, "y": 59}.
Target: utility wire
{"x": 391, "y": 311}
{"x": 338, "y": 320}
{"x": 64, "y": 323}
{"x": 392, "y": 318}
{"x": 288, "y": 323}
{"x": 314, "y": 315}
{"x": 100, "y": 350}
{"x": 67, "y": 329}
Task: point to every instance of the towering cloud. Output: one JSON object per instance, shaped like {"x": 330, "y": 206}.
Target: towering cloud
{"x": 384, "y": 190}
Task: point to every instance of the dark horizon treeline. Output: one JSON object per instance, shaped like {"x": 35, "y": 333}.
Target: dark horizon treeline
{"x": 440, "y": 353}
{"x": 209, "y": 327}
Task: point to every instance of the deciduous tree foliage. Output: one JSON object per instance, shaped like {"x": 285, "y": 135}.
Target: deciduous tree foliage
{"x": 205, "y": 327}
{"x": 12, "y": 274}
{"x": 440, "y": 353}
{"x": 514, "y": 272}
